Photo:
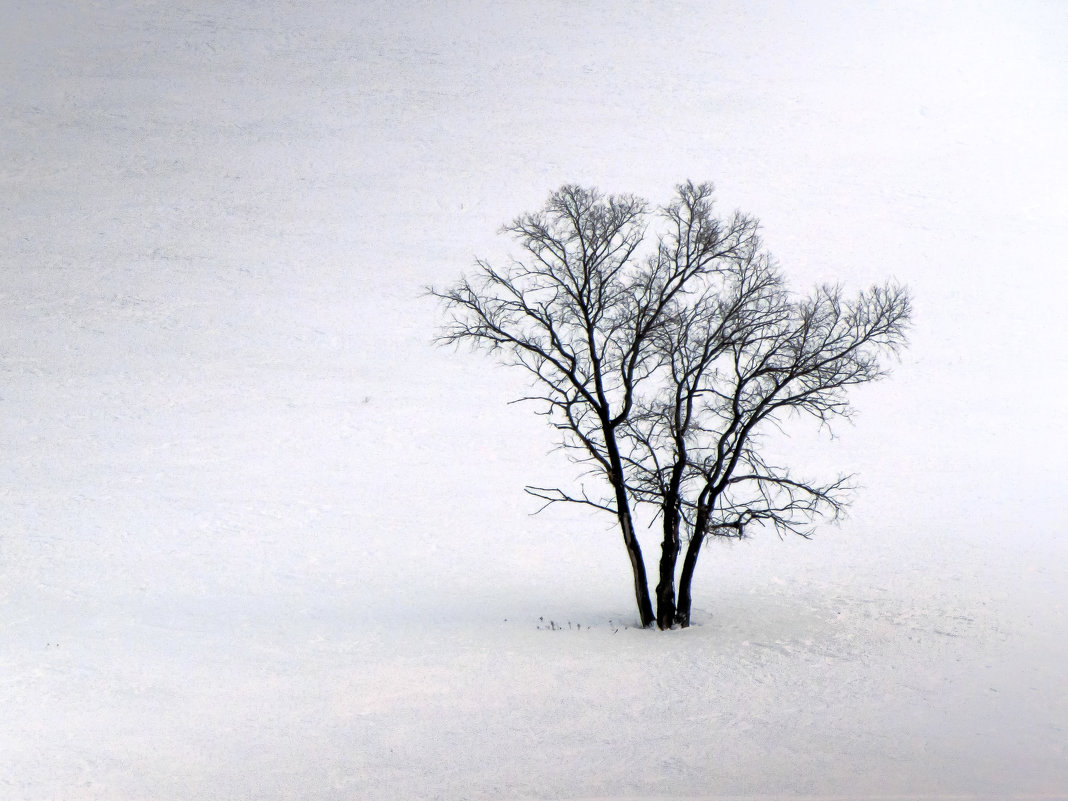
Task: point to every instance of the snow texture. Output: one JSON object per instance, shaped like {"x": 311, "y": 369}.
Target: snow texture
{"x": 259, "y": 538}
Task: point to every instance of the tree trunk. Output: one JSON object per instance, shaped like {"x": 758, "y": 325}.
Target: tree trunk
{"x": 626, "y": 525}
{"x": 669, "y": 555}
{"x": 693, "y": 550}
{"x": 638, "y": 565}
{"x": 637, "y": 562}
{"x": 634, "y": 550}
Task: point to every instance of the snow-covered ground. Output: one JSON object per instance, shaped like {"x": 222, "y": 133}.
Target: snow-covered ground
{"x": 260, "y": 539}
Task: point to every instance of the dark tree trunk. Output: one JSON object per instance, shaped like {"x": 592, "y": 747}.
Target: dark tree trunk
{"x": 682, "y": 614}
{"x": 669, "y": 555}
{"x": 637, "y": 562}
{"x": 669, "y": 547}
{"x": 693, "y": 550}
{"x": 634, "y": 549}
{"x": 626, "y": 525}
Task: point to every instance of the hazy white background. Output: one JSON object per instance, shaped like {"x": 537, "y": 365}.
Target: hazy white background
{"x": 259, "y": 538}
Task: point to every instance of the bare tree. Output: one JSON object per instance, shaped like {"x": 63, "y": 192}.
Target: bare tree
{"x": 741, "y": 299}
{"x": 659, "y": 370}
{"x": 767, "y": 356}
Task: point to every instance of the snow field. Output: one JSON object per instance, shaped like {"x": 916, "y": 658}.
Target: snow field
{"x": 259, "y": 538}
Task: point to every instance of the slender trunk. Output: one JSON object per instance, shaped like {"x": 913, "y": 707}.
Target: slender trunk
{"x": 630, "y": 540}
{"x": 626, "y": 522}
{"x": 669, "y": 555}
{"x": 693, "y": 550}
{"x": 637, "y": 563}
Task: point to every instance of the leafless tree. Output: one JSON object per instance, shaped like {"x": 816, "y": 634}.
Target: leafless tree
{"x": 659, "y": 368}
{"x": 736, "y": 368}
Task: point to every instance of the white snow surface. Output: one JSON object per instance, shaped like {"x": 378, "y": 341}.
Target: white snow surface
{"x": 260, "y": 538}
